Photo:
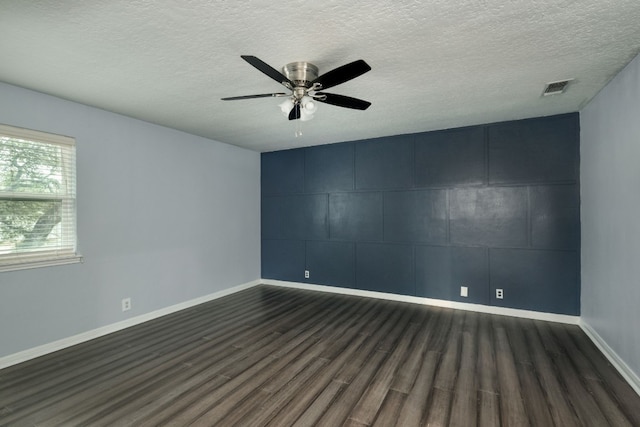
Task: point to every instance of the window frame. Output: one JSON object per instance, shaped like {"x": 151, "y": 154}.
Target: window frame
{"x": 47, "y": 257}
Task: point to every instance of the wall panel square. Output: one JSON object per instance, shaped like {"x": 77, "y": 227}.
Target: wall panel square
{"x": 355, "y": 216}
{"x": 555, "y": 216}
{"x": 534, "y": 150}
{"x": 385, "y": 268}
{"x": 295, "y": 217}
{"x": 494, "y": 216}
{"x": 385, "y": 163}
{"x": 282, "y": 172}
{"x": 451, "y": 157}
{"x": 546, "y": 281}
{"x": 415, "y": 216}
{"x": 283, "y": 260}
{"x": 442, "y": 270}
{"x": 331, "y": 263}
{"x": 329, "y": 168}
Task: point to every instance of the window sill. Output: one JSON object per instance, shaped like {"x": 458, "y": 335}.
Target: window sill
{"x": 24, "y": 265}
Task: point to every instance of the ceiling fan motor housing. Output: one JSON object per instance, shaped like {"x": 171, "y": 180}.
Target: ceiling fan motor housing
{"x": 300, "y": 73}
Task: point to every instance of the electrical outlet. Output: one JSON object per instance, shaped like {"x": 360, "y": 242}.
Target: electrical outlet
{"x": 126, "y": 304}
{"x": 464, "y": 291}
{"x": 499, "y": 294}
{"x": 306, "y": 274}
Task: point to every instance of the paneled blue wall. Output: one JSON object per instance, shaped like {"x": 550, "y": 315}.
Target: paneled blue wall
{"x": 491, "y": 206}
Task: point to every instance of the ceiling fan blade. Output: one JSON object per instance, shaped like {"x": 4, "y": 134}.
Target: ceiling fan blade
{"x": 342, "y": 101}
{"x": 267, "y": 69}
{"x": 294, "y": 114}
{"x": 342, "y": 74}
{"x": 263, "y": 95}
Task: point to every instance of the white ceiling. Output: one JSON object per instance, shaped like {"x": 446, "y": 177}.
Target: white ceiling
{"x": 436, "y": 64}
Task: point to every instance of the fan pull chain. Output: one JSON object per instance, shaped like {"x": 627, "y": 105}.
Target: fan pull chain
{"x": 298, "y": 132}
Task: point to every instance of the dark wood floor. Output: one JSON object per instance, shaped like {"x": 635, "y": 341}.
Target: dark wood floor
{"x": 281, "y": 357}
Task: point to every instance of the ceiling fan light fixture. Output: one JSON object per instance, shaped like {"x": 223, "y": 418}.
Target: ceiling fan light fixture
{"x": 308, "y": 108}
{"x": 304, "y": 116}
{"x": 308, "y": 105}
{"x": 286, "y": 106}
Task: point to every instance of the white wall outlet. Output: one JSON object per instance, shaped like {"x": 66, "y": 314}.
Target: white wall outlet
{"x": 499, "y": 294}
{"x": 464, "y": 291}
{"x": 126, "y": 304}
{"x": 306, "y": 274}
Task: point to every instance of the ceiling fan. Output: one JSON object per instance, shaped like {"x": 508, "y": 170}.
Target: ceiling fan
{"x": 302, "y": 79}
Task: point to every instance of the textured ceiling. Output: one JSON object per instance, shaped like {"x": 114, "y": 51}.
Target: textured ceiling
{"x": 436, "y": 64}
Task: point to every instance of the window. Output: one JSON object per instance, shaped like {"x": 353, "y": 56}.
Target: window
{"x": 37, "y": 199}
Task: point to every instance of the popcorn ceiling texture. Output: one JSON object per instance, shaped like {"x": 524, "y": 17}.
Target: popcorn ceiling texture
{"x": 435, "y": 64}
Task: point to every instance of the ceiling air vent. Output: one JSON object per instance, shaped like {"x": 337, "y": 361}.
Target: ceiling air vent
{"x": 556, "y": 88}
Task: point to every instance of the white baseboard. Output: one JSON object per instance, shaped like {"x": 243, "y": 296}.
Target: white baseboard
{"x": 527, "y": 314}
{"x": 627, "y": 373}
{"x": 32, "y": 353}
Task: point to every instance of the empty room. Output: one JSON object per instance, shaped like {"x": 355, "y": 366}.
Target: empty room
{"x": 412, "y": 213}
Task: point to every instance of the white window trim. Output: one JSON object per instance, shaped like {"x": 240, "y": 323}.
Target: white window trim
{"x": 41, "y": 258}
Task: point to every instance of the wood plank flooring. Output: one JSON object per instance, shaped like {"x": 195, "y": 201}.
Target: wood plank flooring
{"x": 271, "y": 356}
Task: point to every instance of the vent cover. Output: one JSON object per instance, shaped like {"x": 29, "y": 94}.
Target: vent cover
{"x": 555, "y": 88}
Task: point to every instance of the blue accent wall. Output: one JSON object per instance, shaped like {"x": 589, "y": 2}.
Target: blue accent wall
{"x": 490, "y": 206}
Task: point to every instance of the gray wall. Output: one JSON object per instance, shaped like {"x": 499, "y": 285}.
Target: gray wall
{"x": 491, "y": 206}
{"x": 163, "y": 217}
{"x": 610, "y": 154}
